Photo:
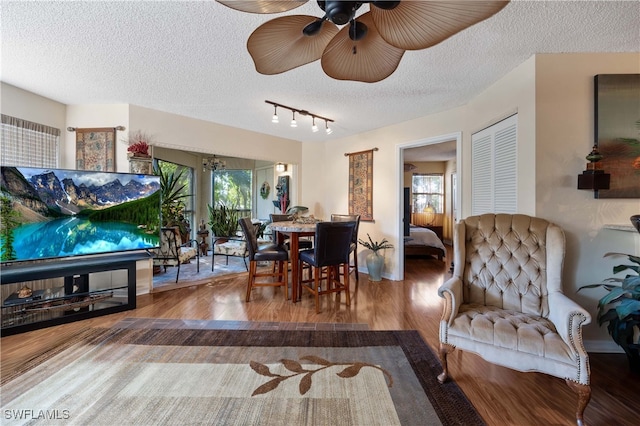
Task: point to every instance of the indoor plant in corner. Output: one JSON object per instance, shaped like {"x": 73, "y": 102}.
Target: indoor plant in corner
{"x": 620, "y": 308}
{"x": 223, "y": 220}
{"x": 173, "y": 201}
{"x": 375, "y": 261}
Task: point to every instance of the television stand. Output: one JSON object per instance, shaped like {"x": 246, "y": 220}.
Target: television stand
{"x": 67, "y": 290}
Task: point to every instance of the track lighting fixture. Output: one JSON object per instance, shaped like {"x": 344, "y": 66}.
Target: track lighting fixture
{"x": 294, "y": 123}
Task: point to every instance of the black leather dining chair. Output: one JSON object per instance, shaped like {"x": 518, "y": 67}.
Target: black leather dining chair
{"x": 332, "y": 248}
{"x": 354, "y": 241}
{"x": 268, "y": 252}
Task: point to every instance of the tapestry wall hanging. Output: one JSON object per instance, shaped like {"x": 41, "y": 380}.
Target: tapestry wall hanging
{"x": 95, "y": 149}
{"x": 617, "y": 132}
{"x": 361, "y": 184}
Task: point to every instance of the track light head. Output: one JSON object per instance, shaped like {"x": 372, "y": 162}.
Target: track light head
{"x": 327, "y": 128}
{"x": 274, "y": 119}
{"x": 293, "y": 120}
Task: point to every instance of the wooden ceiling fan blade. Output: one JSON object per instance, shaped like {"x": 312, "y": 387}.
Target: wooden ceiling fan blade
{"x": 369, "y": 59}
{"x": 280, "y": 45}
{"x": 262, "y": 6}
{"x": 414, "y": 25}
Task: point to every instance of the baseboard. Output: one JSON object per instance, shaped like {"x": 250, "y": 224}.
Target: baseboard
{"x": 602, "y": 346}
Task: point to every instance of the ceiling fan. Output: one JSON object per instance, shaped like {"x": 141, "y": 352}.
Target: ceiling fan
{"x": 370, "y": 47}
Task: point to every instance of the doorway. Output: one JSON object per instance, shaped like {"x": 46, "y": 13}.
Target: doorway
{"x": 413, "y": 155}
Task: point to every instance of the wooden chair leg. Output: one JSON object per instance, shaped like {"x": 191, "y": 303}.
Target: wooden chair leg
{"x": 355, "y": 263}
{"x": 316, "y": 282}
{"x": 252, "y": 277}
{"x": 584, "y": 396}
{"x": 285, "y": 279}
{"x": 444, "y": 350}
{"x": 346, "y": 283}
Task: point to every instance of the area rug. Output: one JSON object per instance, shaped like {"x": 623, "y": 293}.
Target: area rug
{"x": 189, "y": 273}
{"x": 235, "y": 377}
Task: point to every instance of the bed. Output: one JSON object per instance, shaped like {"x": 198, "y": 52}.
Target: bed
{"x": 423, "y": 242}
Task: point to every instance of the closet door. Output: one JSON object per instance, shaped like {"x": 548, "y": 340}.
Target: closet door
{"x": 493, "y": 168}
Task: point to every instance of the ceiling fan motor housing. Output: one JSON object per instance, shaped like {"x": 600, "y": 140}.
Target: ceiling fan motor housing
{"x": 340, "y": 12}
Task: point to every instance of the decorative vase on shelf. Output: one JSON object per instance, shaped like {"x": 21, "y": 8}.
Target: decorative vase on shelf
{"x": 375, "y": 262}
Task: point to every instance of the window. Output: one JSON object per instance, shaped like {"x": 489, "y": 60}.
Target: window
{"x": 233, "y": 188}
{"x": 28, "y": 144}
{"x": 427, "y": 189}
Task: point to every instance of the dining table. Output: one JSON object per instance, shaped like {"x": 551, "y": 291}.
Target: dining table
{"x": 293, "y": 230}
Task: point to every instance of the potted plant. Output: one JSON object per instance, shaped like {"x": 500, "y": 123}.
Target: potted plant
{"x": 375, "y": 262}
{"x": 173, "y": 204}
{"x": 620, "y": 309}
{"x": 223, "y": 220}
{"x": 139, "y": 145}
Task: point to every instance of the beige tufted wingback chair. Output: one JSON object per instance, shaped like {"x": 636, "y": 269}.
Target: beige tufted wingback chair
{"x": 505, "y": 301}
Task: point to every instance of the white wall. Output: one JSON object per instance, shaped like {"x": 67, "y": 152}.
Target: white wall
{"x": 565, "y": 135}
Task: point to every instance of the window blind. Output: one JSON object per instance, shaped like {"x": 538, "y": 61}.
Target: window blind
{"x": 28, "y": 144}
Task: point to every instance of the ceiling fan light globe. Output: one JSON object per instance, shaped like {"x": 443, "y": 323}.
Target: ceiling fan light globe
{"x": 313, "y": 28}
{"x": 357, "y": 30}
{"x": 385, "y": 5}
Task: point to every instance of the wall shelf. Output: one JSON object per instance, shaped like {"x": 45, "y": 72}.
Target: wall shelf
{"x": 626, "y": 228}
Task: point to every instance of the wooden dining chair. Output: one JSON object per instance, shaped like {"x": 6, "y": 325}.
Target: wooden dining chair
{"x": 354, "y": 240}
{"x": 267, "y": 252}
{"x": 331, "y": 251}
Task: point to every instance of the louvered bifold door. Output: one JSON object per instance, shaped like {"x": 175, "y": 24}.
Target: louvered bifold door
{"x": 494, "y": 176}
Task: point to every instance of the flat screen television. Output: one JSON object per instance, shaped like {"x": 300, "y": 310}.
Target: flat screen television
{"x": 54, "y": 213}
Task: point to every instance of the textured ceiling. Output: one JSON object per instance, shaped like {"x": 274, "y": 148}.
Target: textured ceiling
{"x": 190, "y": 58}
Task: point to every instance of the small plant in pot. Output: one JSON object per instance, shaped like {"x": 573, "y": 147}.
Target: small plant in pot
{"x": 620, "y": 309}
{"x": 375, "y": 261}
{"x": 223, "y": 220}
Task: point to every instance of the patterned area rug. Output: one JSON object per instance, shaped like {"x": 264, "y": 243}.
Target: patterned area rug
{"x": 230, "y": 377}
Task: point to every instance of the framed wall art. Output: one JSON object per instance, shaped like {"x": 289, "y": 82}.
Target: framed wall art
{"x": 617, "y": 132}
{"x": 361, "y": 184}
{"x": 95, "y": 149}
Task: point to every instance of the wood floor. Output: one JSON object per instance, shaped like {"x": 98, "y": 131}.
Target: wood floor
{"x": 501, "y": 396}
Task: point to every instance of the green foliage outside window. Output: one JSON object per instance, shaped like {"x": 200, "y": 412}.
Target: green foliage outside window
{"x": 427, "y": 189}
{"x": 233, "y": 188}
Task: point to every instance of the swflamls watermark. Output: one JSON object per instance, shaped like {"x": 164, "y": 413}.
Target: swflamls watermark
{"x": 31, "y": 414}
